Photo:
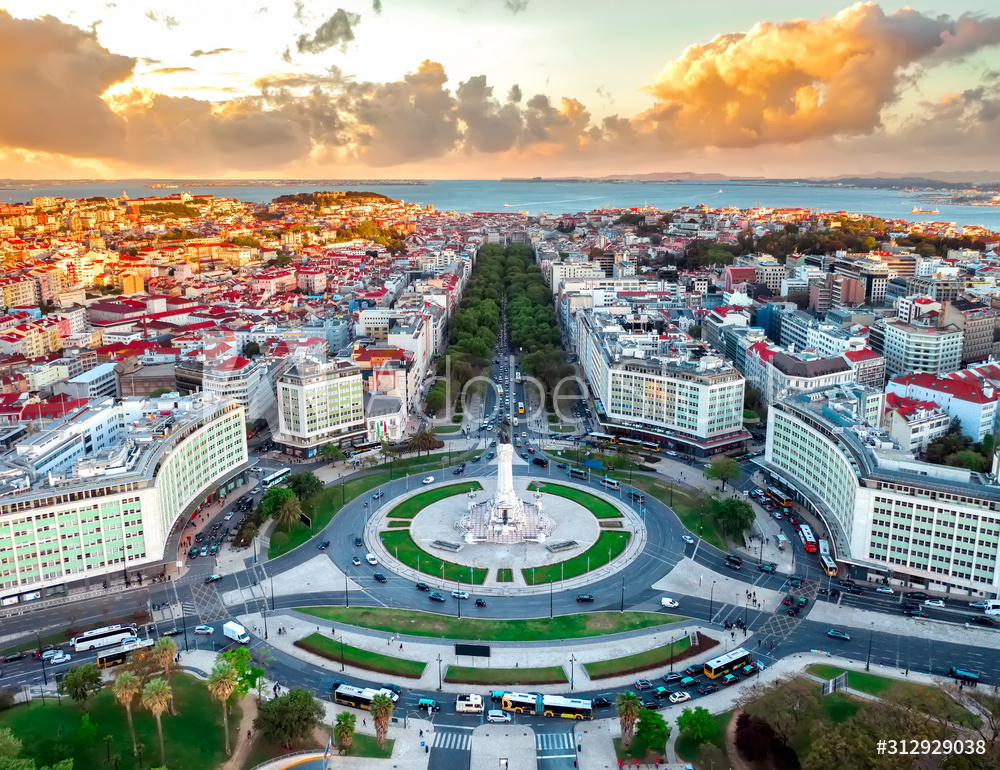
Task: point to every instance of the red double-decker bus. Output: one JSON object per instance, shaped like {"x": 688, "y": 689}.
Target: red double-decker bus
{"x": 808, "y": 539}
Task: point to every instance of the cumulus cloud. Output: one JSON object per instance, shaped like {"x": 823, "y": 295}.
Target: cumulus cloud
{"x": 515, "y": 5}
{"x": 377, "y": 6}
{"x": 790, "y": 82}
{"x": 338, "y": 30}
{"x": 171, "y": 70}
{"x": 212, "y": 52}
{"x": 161, "y": 18}
{"x": 55, "y": 74}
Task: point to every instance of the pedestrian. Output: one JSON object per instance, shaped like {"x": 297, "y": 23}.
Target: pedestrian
{"x": 388, "y": 642}
{"x": 364, "y": 723}
{"x": 249, "y": 734}
{"x": 421, "y": 733}
{"x": 758, "y": 642}
{"x": 400, "y": 648}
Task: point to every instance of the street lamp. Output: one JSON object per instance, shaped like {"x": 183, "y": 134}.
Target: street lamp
{"x": 871, "y": 636}
{"x": 45, "y": 676}
{"x": 572, "y": 670}
{"x": 458, "y": 599}
{"x": 439, "y": 672}
{"x": 711, "y": 597}
{"x": 671, "y": 654}
{"x": 341, "y": 652}
{"x": 623, "y": 594}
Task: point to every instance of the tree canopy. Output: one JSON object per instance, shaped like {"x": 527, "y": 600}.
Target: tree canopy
{"x": 290, "y": 717}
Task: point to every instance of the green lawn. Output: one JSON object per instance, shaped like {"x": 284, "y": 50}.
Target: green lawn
{"x": 691, "y": 508}
{"x": 401, "y": 523}
{"x": 505, "y": 676}
{"x": 193, "y": 738}
{"x": 930, "y": 699}
{"x": 448, "y": 429}
{"x": 608, "y": 546}
{"x": 602, "y": 509}
{"x": 562, "y": 428}
{"x": 414, "y": 505}
{"x": 476, "y": 629}
{"x": 428, "y": 463}
{"x": 329, "y": 648}
{"x": 640, "y": 661}
{"x": 362, "y": 746}
{"x": 399, "y": 543}
{"x": 505, "y": 575}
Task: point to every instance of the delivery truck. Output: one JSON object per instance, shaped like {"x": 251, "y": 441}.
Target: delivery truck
{"x": 236, "y": 632}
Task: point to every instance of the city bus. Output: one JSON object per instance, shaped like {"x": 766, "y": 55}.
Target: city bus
{"x": 630, "y": 442}
{"x": 650, "y": 446}
{"x": 517, "y": 376}
{"x": 520, "y": 702}
{"x": 106, "y": 636}
{"x": 808, "y": 538}
{"x": 547, "y": 705}
{"x": 826, "y": 561}
{"x": 119, "y": 655}
{"x": 500, "y": 392}
{"x": 358, "y": 697}
{"x": 276, "y": 478}
{"x": 600, "y": 438}
{"x": 733, "y": 660}
{"x": 779, "y": 499}
{"x": 520, "y": 407}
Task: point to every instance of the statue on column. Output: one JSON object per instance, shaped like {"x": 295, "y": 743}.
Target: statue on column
{"x": 503, "y": 434}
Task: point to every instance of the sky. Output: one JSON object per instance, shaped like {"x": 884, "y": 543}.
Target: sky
{"x": 471, "y": 89}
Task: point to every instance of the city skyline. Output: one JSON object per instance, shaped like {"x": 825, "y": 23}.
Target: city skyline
{"x": 490, "y": 88}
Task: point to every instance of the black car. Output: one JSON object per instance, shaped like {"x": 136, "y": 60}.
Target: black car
{"x": 358, "y": 542}
{"x": 525, "y": 455}
{"x": 540, "y": 461}
{"x": 846, "y": 582}
{"x": 651, "y": 703}
{"x": 982, "y": 620}
{"x": 694, "y": 670}
{"x": 434, "y": 596}
{"x": 918, "y": 595}
{"x": 730, "y": 559}
{"x": 480, "y": 602}
{"x": 600, "y": 702}
{"x": 458, "y": 470}
{"x": 393, "y": 688}
{"x": 11, "y": 657}
{"x": 708, "y": 688}
{"x": 856, "y": 590}
{"x": 423, "y": 587}
{"x": 637, "y": 497}
{"x": 584, "y": 598}
{"x": 561, "y": 466}
{"x": 769, "y": 567}
{"x": 917, "y": 613}
{"x": 324, "y": 545}
{"x": 910, "y": 606}
{"x": 380, "y": 577}
{"x": 172, "y": 632}
{"x": 733, "y": 565}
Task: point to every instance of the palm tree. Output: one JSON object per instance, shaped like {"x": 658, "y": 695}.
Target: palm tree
{"x": 381, "y": 708}
{"x": 422, "y": 440}
{"x": 157, "y": 696}
{"x": 343, "y": 730}
{"x": 222, "y": 683}
{"x": 165, "y": 654}
{"x": 628, "y": 705}
{"x": 288, "y": 513}
{"x": 125, "y": 688}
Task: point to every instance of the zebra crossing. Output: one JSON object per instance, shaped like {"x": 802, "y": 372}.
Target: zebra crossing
{"x": 452, "y": 739}
{"x": 553, "y": 741}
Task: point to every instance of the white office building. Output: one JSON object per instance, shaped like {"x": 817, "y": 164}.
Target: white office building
{"x": 319, "y": 403}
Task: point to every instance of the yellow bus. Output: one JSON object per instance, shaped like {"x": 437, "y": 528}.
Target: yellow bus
{"x": 520, "y": 407}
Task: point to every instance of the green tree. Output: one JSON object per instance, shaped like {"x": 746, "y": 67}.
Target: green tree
{"x": 158, "y": 697}
{"x": 222, "y": 683}
{"x": 10, "y": 759}
{"x": 423, "y": 440}
{"x": 289, "y": 513}
{"x": 305, "y": 484}
{"x": 381, "y": 708}
{"x": 252, "y": 349}
{"x": 735, "y": 516}
{"x": 698, "y": 723}
{"x": 330, "y": 453}
{"x": 695, "y": 331}
{"x": 273, "y": 499}
{"x": 722, "y": 469}
{"x": 344, "y": 728}
{"x": 126, "y": 688}
{"x": 249, "y": 671}
{"x": 628, "y": 705}
{"x": 290, "y": 717}
{"x": 651, "y": 728}
{"x": 787, "y": 705}
{"x": 80, "y": 682}
{"x": 160, "y": 392}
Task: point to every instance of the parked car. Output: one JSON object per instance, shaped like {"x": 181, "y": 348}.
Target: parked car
{"x": 679, "y": 697}
{"x": 12, "y": 656}
{"x": 172, "y": 632}
{"x": 979, "y": 605}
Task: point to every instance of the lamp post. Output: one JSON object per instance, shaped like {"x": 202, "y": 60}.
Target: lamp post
{"x": 671, "y": 654}
{"x": 458, "y": 599}
{"x": 263, "y": 614}
{"x": 871, "y": 636}
{"x": 341, "y": 652}
{"x": 623, "y": 595}
{"x": 711, "y": 597}
{"x": 347, "y": 596}
{"x": 550, "y": 600}
{"x": 45, "y": 676}
{"x": 572, "y": 670}
{"x": 439, "y": 672}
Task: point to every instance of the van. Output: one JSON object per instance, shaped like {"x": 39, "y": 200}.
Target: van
{"x": 611, "y": 483}
{"x": 992, "y": 607}
{"x": 576, "y": 473}
{"x": 469, "y": 704}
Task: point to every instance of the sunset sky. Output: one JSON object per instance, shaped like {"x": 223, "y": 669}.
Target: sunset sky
{"x": 488, "y": 88}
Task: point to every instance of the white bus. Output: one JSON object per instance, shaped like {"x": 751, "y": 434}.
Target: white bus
{"x": 276, "y": 478}
{"x": 107, "y": 636}
{"x": 993, "y": 606}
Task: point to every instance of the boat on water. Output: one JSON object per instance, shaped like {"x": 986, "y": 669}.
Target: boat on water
{"x": 916, "y": 210}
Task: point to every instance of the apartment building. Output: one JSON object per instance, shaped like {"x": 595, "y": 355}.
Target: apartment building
{"x": 913, "y": 347}
{"x": 885, "y": 512}
{"x": 319, "y": 403}
{"x": 976, "y": 320}
{"x": 912, "y": 423}
{"x": 692, "y": 405}
{"x": 110, "y": 489}
{"x": 972, "y": 403}
{"x": 242, "y": 380}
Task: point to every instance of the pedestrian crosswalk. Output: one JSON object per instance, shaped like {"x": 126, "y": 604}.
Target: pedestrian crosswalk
{"x": 188, "y": 608}
{"x": 448, "y": 739}
{"x": 550, "y": 741}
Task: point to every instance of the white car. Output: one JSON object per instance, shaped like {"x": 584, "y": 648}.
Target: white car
{"x": 50, "y": 654}
{"x": 460, "y": 594}
{"x": 884, "y": 590}
{"x": 671, "y": 452}
{"x": 495, "y": 715}
{"x": 229, "y": 515}
{"x": 669, "y": 603}
{"x": 429, "y": 480}
{"x": 61, "y": 657}
{"x": 679, "y": 697}
{"x": 687, "y": 539}
{"x": 370, "y": 558}
{"x": 203, "y": 630}
{"x": 934, "y": 603}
